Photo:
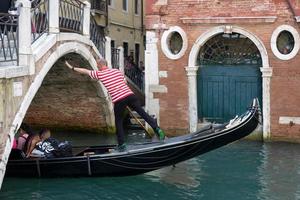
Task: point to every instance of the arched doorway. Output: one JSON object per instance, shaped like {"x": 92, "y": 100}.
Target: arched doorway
{"x": 228, "y": 77}
{"x": 192, "y": 68}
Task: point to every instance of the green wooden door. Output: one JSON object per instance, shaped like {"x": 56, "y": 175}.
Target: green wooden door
{"x": 226, "y": 91}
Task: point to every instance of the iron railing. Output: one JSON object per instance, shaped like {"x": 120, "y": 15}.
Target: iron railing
{"x": 39, "y": 18}
{"x": 136, "y": 75}
{"x": 8, "y": 37}
{"x": 115, "y": 55}
{"x": 70, "y": 15}
{"x": 97, "y": 36}
{"x": 99, "y": 6}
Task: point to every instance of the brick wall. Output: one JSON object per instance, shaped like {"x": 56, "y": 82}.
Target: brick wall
{"x": 285, "y": 92}
{"x": 68, "y": 101}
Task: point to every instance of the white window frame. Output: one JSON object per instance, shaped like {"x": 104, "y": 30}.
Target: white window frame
{"x": 274, "y": 37}
{"x": 164, "y": 42}
{"x": 138, "y": 8}
{"x": 126, "y": 6}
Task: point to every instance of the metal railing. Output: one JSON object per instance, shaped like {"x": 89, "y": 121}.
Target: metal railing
{"x": 39, "y": 18}
{"x": 70, "y": 15}
{"x": 99, "y": 6}
{"x": 97, "y": 36}
{"x": 115, "y": 55}
{"x": 136, "y": 75}
{"x": 8, "y": 37}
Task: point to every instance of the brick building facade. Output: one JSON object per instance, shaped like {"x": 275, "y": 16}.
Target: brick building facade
{"x": 204, "y": 58}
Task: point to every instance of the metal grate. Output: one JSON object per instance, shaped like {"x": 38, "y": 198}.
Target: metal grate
{"x": 99, "y": 6}
{"x": 136, "y": 75}
{"x": 115, "y": 54}
{"x": 8, "y": 37}
{"x": 39, "y": 18}
{"x": 97, "y": 36}
{"x": 70, "y": 16}
{"x": 229, "y": 49}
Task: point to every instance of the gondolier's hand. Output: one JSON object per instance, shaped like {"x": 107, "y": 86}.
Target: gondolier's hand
{"x": 68, "y": 65}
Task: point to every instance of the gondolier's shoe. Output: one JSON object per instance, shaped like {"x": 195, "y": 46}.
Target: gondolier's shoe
{"x": 121, "y": 148}
{"x": 160, "y": 133}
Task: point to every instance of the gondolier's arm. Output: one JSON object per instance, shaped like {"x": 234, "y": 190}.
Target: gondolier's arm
{"x": 77, "y": 69}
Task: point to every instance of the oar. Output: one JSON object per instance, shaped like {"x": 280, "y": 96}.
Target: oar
{"x": 130, "y": 111}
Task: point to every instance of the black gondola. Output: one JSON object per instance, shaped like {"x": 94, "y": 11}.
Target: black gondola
{"x": 139, "y": 158}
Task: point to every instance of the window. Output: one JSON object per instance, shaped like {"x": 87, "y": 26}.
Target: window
{"x": 174, "y": 42}
{"x": 137, "y": 53}
{"x": 125, "y": 46}
{"x": 125, "y": 5}
{"x": 285, "y": 42}
{"x": 229, "y": 49}
{"x": 112, "y": 44}
{"x": 136, "y": 7}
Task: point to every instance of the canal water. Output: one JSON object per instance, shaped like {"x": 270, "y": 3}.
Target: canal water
{"x": 241, "y": 170}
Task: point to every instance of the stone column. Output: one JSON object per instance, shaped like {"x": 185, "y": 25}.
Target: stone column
{"x": 24, "y": 35}
{"x": 191, "y": 72}
{"x": 53, "y": 16}
{"x": 151, "y": 74}
{"x": 121, "y": 59}
{"x": 86, "y": 19}
{"x": 266, "y": 76}
{"x": 108, "y": 51}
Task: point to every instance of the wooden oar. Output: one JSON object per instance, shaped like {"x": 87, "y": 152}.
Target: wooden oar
{"x": 140, "y": 123}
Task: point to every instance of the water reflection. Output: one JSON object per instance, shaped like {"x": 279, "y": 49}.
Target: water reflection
{"x": 280, "y": 171}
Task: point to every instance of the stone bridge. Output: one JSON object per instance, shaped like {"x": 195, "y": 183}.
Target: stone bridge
{"x": 35, "y": 85}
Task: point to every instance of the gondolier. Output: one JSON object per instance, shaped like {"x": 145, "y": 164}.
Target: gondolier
{"x": 121, "y": 96}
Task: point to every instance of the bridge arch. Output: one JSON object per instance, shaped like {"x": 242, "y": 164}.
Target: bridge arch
{"x": 62, "y": 50}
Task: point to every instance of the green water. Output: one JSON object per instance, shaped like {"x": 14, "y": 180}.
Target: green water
{"x": 242, "y": 170}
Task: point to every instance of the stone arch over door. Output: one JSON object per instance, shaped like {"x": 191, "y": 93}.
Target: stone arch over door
{"x": 192, "y": 69}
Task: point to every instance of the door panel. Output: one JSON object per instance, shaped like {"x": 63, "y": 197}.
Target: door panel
{"x": 226, "y": 91}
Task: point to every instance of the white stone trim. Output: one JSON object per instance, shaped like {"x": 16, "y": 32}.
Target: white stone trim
{"x": 274, "y": 37}
{"x": 164, "y": 42}
{"x": 86, "y": 19}
{"x": 289, "y": 120}
{"x": 108, "y": 51}
{"x": 192, "y": 75}
{"x": 152, "y": 78}
{"x": 228, "y": 20}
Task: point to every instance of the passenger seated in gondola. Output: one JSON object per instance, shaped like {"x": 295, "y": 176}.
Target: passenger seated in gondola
{"x": 49, "y": 147}
{"x": 34, "y": 139}
{"x": 24, "y": 133}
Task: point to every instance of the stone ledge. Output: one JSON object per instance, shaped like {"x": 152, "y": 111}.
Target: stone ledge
{"x": 227, "y": 20}
{"x": 14, "y": 71}
{"x": 289, "y": 120}
{"x": 158, "y": 88}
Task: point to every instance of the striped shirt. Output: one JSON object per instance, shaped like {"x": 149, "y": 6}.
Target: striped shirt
{"x": 114, "y": 82}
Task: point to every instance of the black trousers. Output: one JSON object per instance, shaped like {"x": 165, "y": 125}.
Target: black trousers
{"x": 119, "y": 107}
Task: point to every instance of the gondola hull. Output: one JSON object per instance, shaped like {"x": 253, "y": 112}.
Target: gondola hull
{"x": 139, "y": 158}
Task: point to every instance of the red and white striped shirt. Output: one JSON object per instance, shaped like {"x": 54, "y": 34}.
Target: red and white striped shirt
{"x": 114, "y": 82}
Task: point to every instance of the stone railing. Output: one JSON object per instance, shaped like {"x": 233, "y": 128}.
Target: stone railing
{"x": 34, "y": 18}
